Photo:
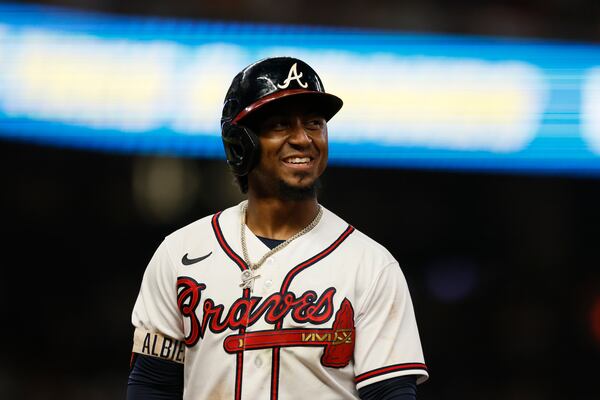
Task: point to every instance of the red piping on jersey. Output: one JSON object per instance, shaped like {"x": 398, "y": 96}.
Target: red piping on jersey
{"x": 224, "y": 245}
{"x": 298, "y": 268}
{"x": 239, "y": 368}
{"x": 389, "y": 369}
{"x": 275, "y": 374}
{"x": 284, "y": 287}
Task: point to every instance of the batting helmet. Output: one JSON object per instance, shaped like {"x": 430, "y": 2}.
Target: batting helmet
{"x": 258, "y": 85}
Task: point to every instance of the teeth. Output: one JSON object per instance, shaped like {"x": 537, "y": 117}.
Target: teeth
{"x": 299, "y": 160}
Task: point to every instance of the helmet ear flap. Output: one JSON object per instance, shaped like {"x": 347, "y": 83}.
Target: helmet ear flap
{"x": 242, "y": 147}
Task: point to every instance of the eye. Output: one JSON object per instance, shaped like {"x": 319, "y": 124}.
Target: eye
{"x": 279, "y": 125}
{"x": 274, "y": 124}
{"x": 314, "y": 123}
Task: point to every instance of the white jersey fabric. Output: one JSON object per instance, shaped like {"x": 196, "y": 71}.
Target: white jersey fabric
{"x": 330, "y": 313}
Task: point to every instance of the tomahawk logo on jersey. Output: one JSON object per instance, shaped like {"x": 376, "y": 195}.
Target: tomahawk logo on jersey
{"x": 326, "y": 315}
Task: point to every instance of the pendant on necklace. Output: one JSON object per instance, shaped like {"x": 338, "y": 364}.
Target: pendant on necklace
{"x": 248, "y": 278}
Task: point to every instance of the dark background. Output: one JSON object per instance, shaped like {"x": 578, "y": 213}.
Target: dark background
{"x": 503, "y": 269}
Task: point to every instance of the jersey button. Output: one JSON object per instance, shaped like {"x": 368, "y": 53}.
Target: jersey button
{"x": 258, "y": 362}
{"x": 270, "y": 260}
{"x": 268, "y": 283}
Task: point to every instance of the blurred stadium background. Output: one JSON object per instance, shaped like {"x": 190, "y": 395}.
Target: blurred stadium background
{"x": 469, "y": 146}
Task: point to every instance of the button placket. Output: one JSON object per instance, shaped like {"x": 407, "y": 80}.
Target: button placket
{"x": 268, "y": 280}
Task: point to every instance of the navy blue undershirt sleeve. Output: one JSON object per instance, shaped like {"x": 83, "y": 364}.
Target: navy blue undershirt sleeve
{"x": 151, "y": 378}
{"x": 400, "y": 388}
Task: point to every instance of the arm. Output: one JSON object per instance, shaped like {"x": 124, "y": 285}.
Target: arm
{"x": 387, "y": 339}
{"x": 151, "y": 378}
{"x": 156, "y": 371}
{"x": 401, "y": 388}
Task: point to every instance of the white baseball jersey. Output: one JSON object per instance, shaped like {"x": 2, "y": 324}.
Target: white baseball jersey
{"x": 328, "y": 314}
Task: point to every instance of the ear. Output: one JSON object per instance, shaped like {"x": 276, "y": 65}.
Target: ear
{"x": 242, "y": 147}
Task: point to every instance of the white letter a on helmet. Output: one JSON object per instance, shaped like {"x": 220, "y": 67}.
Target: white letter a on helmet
{"x": 293, "y": 76}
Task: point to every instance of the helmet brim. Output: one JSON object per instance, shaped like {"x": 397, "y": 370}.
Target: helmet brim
{"x": 326, "y": 104}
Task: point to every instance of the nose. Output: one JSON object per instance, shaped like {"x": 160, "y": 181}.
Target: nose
{"x": 298, "y": 134}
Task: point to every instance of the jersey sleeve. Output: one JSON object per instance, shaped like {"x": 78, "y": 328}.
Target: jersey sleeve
{"x": 156, "y": 317}
{"x": 387, "y": 337}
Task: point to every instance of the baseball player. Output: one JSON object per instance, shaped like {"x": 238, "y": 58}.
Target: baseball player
{"x": 276, "y": 297}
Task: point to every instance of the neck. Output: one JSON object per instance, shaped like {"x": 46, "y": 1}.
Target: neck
{"x": 279, "y": 219}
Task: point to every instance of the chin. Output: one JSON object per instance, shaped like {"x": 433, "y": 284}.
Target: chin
{"x": 298, "y": 192}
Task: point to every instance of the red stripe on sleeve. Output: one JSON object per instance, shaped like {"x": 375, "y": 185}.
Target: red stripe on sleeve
{"x": 389, "y": 369}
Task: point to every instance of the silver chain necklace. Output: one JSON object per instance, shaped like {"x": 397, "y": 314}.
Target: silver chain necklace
{"x": 248, "y": 276}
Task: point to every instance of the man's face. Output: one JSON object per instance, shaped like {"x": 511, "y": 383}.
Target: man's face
{"x": 294, "y": 151}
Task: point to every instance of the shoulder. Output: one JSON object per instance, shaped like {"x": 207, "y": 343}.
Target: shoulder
{"x": 360, "y": 246}
{"x": 199, "y": 234}
{"x": 199, "y": 227}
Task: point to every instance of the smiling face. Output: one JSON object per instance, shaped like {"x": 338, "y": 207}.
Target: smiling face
{"x": 294, "y": 151}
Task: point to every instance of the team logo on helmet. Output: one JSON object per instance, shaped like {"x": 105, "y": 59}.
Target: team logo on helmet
{"x": 293, "y": 76}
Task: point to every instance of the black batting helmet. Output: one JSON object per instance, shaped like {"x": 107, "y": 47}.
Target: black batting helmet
{"x": 257, "y": 85}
